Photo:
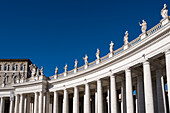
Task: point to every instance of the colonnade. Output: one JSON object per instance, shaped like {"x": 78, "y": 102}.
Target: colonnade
{"x": 120, "y": 94}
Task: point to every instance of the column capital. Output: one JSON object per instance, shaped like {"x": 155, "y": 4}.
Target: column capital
{"x": 128, "y": 69}
{"x": 146, "y": 62}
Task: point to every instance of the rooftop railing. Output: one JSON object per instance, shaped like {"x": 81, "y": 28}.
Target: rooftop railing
{"x": 116, "y": 52}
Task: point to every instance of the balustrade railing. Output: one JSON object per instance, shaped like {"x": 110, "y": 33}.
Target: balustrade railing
{"x": 133, "y": 42}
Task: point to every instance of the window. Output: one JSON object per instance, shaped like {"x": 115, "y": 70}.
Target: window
{"x": 8, "y": 67}
{"x": 22, "y": 67}
{"x": 13, "y": 67}
{"x": 0, "y": 67}
{"x": 5, "y": 67}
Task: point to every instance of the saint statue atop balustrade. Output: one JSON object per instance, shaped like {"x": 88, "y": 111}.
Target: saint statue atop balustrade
{"x": 111, "y": 47}
{"x": 164, "y": 12}
{"x": 126, "y": 38}
{"x": 98, "y": 54}
{"x": 86, "y": 60}
{"x": 65, "y": 68}
{"x": 76, "y": 64}
{"x": 143, "y": 26}
{"x": 56, "y": 70}
{"x": 33, "y": 69}
{"x": 41, "y": 71}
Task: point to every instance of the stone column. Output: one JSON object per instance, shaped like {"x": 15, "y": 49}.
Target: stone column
{"x": 2, "y": 105}
{"x": 167, "y": 59}
{"x": 123, "y": 97}
{"x": 47, "y": 102}
{"x": 55, "y": 104}
{"x": 41, "y": 102}
{"x": 76, "y": 100}
{"x": 160, "y": 91}
{"x": 44, "y": 103}
{"x": 108, "y": 101}
{"x": 65, "y": 102}
{"x": 16, "y": 103}
{"x": 87, "y": 99}
{"x": 149, "y": 105}
{"x": 113, "y": 94}
{"x": 96, "y": 103}
{"x": 129, "y": 92}
{"x": 28, "y": 103}
{"x": 11, "y": 106}
{"x": 21, "y": 107}
{"x": 100, "y": 96}
{"x": 36, "y": 102}
{"x": 25, "y": 104}
{"x": 140, "y": 94}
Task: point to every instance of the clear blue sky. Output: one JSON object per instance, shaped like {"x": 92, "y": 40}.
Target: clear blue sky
{"x": 55, "y": 32}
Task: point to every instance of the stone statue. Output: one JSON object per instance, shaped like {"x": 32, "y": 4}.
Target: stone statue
{"x": 86, "y": 59}
{"x": 33, "y": 70}
{"x": 144, "y": 26}
{"x": 76, "y": 64}
{"x": 98, "y": 54}
{"x": 65, "y": 68}
{"x": 164, "y": 12}
{"x": 111, "y": 47}
{"x": 56, "y": 71}
{"x": 41, "y": 71}
{"x": 126, "y": 38}
{"x": 38, "y": 72}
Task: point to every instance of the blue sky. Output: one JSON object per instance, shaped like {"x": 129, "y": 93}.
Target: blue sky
{"x": 54, "y": 33}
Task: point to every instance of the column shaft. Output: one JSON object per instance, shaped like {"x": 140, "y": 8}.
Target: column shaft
{"x": 16, "y": 103}
{"x": 28, "y": 103}
{"x": 21, "y": 108}
{"x": 11, "y": 106}
{"x": 149, "y": 105}
{"x": 108, "y": 101}
{"x": 65, "y": 102}
{"x": 100, "y": 96}
{"x": 87, "y": 99}
{"x": 41, "y": 102}
{"x": 36, "y": 102}
{"x": 129, "y": 92}
{"x": 140, "y": 94}
{"x": 160, "y": 91}
{"x": 2, "y": 105}
{"x": 55, "y": 107}
{"x": 113, "y": 94}
{"x": 123, "y": 97}
{"x": 76, "y": 100}
{"x": 167, "y": 58}
{"x": 96, "y": 103}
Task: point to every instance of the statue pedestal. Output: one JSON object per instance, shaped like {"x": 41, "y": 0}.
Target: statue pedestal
{"x": 55, "y": 76}
{"x": 97, "y": 61}
{"x": 75, "y": 70}
{"x": 65, "y": 74}
{"x": 36, "y": 77}
{"x": 17, "y": 81}
{"x": 86, "y": 66}
{"x": 41, "y": 77}
{"x": 111, "y": 55}
{"x": 165, "y": 21}
{"x": 21, "y": 80}
{"x": 125, "y": 47}
{"x": 143, "y": 35}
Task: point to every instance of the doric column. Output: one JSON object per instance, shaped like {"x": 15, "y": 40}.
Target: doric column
{"x": 100, "y": 96}
{"x": 21, "y": 107}
{"x": 123, "y": 97}
{"x": 96, "y": 103}
{"x": 160, "y": 91}
{"x": 129, "y": 92}
{"x": 2, "y": 105}
{"x": 16, "y": 103}
{"x": 87, "y": 99}
{"x": 76, "y": 100}
{"x": 167, "y": 58}
{"x": 140, "y": 94}
{"x": 65, "y": 102}
{"x": 113, "y": 94}
{"x": 55, "y": 105}
{"x": 149, "y": 105}
{"x": 36, "y": 102}
{"x": 41, "y": 102}
{"x": 108, "y": 100}
{"x": 28, "y": 103}
{"x": 11, "y": 106}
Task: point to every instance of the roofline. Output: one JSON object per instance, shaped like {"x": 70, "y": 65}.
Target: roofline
{"x": 15, "y": 60}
